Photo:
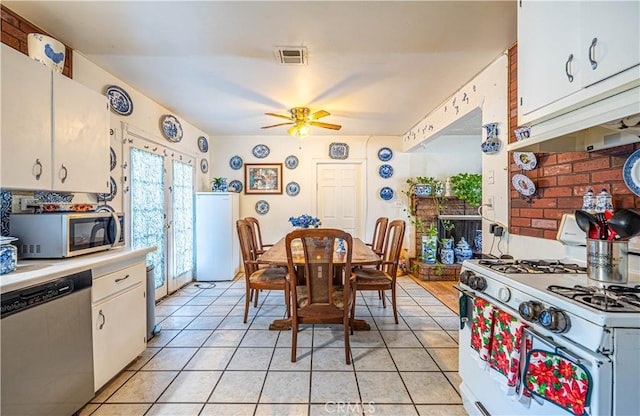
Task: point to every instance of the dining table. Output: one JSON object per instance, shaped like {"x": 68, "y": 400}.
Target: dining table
{"x": 362, "y": 255}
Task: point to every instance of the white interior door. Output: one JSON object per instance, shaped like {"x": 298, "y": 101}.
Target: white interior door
{"x": 340, "y": 202}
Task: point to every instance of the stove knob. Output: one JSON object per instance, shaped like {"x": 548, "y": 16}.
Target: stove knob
{"x": 530, "y": 310}
{"x": 504, "y": 294}
{"x": 477, "y": 283}
{"x": 465, "y": 276}
{"x": 554, "y": 320}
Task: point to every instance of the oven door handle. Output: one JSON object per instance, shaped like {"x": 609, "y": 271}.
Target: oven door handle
{"x": 550, "y": 342}
{"x": 464, "y": 291}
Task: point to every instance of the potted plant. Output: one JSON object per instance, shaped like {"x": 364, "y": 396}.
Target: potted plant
{"x": 467, "y": 187}
{"x": 219, "y": 184}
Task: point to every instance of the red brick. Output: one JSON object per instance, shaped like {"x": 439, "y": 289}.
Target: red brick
{"x": 13, "y": 31}
{"x": 547, "y": 182}
{"x": 532, "y": 232}
{"x": 574, "y": 179}
{"x": 550, "y": 234}
{"x": 557, "y": 170}
{"x": 10, "y": 41}
{"x": 547, "y": 159}
{"x": 554, "y": 214}
{"x": 572, "y": 156}
{"x": 557, "y": 191}
{"x": 548, "y": 224}
{"x": 531, "y": 213}
{"x": 515, "y": 212}
{"x": 545, "y": 202}
{"x": 606, "y": 175}
{"x": 570, "y": 203}
{"x": 592, "y": 164}
{"x": 524, "y": 222}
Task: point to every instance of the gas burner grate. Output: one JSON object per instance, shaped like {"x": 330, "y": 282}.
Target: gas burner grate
{"x": 532, "y": 266}
{"x": 613, "y": 298}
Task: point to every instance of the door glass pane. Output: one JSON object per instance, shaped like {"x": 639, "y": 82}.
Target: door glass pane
{"x": 147, "y": 208}
{"x": 182, "y": 217}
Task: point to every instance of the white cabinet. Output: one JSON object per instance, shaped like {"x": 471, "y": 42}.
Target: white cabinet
{"x": 573, "y": 53}
{"x": 119, "y": 320}
{"x": 55, "y": 131}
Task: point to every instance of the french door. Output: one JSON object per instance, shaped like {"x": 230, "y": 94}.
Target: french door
{"x": 162, "y": 184}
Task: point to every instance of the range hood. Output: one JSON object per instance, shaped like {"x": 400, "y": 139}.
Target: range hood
{"x": 610, "y": 122}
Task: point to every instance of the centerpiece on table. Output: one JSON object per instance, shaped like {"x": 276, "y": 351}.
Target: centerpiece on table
{"x": 305, "y": 221}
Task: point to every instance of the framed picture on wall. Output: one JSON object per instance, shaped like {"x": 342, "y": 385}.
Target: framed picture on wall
{"x": 263, "y": 178}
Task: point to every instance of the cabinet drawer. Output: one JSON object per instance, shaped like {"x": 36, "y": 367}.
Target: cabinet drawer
{"x": 115, "y": 282}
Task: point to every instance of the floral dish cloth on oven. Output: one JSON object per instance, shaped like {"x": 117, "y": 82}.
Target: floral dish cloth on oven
{"x": 481, "y": 328}
{"x": 506, "y": 347}
{"x": 559, "y": 380}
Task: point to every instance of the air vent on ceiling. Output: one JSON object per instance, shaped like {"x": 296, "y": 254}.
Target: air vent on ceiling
{"x": 291, "y": 55}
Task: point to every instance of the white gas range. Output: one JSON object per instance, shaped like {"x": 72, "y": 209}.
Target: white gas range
{"x": 559, "y": 314}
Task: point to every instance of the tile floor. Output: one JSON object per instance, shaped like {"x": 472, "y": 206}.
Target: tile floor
{"x": 206, "y": 361}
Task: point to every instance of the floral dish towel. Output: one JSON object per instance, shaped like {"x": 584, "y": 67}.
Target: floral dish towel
{"x": 559, "y": 380}
{"x": 506, "y": 346}
{"x": 482, "y": 327}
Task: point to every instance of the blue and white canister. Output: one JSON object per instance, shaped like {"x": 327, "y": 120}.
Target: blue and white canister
{"x": 446, "y": 252}
{"x": 604, "y": 201}
{"x": 429, "y": 249}
{"x": 589, "y": 202}
{"x": 462, "y": 251}
{"x": 477, "y": 241}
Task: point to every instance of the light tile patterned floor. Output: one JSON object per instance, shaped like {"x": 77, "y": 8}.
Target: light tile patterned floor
{"x": 206, "y": 361}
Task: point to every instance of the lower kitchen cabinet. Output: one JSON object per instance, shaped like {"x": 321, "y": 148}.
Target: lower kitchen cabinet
{"x": 119, "y": 320}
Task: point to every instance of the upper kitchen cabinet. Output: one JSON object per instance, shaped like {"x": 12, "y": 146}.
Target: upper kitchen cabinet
{"x": 55, "y": 131}
{"x": 571, "y": 54}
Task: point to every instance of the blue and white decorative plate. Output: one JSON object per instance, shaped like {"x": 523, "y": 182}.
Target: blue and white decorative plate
{"x": 261, "y": 151}
{"x": 262, "y": 207}
{"x": 112, "y": 159}
{"x": 525, "y": 160}
{"x": 631, "y": 172}
{"x": 235, "y": 186}
{"x": 235, "y": 162}
{"x": 291, "y": 162}
{"x": 113, "y": 190}
{"x": 5, "y": 211}
{"x": 338, "y": 150}
{"x": 523, "y": 184}
{"x": 119, "y": 101}
{"x": 203, "y": 144}
{"x": 105, "y": 208}
{"x": 45, "y": 196}
{"x": 386, "y": 193}
{"x": 293, "y": 188}
{"x": 386, "y": 171}
{"x": 385, "y": 154}
{"x": 204, "y": 165}
{"x": 171, "y": 128}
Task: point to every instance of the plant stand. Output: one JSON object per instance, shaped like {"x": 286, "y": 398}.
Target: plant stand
{"x": 433, "y": 272}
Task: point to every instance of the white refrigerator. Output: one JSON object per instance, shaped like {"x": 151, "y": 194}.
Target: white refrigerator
{"x": 217, "y": 247}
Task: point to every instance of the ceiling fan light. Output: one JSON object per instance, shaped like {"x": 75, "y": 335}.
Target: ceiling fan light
{"x": 303, "y": 130}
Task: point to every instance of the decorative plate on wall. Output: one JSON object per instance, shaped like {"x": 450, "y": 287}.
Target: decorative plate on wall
{"x": 338, "y": 150}
{"x": 204, "y": 165}
{"x": 525, "y": 160}
{"x": 171, "y": 128}
{"x": 262, "y": 207}
{"x": 113, "y": 190}
{"x": 386, "y": 193}
{"x": 203, "y": 144}
{"x": 631, "y": 172}
{"x": 523, "y": 184}
{"x": 261, "y": 151}
{"x": 293, "y": 188}
{"x": 291, "y": 162}
{"x": 119, "y": 101}
{"x": 235, "y": 162}
{"x": 385, "y": 154}
{"x": 105, "y": 208}
{"x": 235, "y": 186}
{"x": 112, "y": 159}
{"x": 386, "y": 171}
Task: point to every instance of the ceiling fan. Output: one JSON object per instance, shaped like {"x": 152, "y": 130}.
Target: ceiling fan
{"x": 302, "y": 118}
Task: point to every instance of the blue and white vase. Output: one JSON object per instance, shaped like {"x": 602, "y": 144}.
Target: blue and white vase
{"x": 220, "y": 186}
{"x": 462, "y": 251}
{"x": 429, "y": 249}
{"x": 477, "y": 241}
{"x": 446, "y": 252}
{"x": 340, "y": 248}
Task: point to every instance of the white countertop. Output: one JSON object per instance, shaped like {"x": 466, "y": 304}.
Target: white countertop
{"x": 33, "y": 272}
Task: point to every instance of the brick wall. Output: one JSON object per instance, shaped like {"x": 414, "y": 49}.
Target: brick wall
{"x": 14, "y": 33}
{"x": 562, "y": 178}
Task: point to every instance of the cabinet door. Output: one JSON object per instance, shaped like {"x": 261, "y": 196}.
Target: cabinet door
{"x": 548, "y": 35}
{"x": 119, "y": 332}
{"x": 80, "y": 137}
{"x": 610, "y": 38}
{"x": 26, "y": 122}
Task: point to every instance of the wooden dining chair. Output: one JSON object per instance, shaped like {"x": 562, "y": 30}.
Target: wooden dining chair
{"x": 315, "y": 297}
{"x": 379, "y": 234}
{"x": 257, "y": 235}
{"x": 258, "y": 278}
{"x": 384, "y": 276}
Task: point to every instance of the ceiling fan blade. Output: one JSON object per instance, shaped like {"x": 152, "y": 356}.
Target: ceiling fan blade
{"x": 293, "y": 130}
{"x": 325, "y": 125}
{"x": 277, "y": 125}
{"x": 319, "y": 114}
{"x": 280, "y": 115}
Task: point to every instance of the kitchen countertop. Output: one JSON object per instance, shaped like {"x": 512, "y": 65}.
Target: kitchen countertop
{"x": 32, "y": 272}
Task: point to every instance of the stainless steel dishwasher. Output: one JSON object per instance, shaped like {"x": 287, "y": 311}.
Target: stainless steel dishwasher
{"x": 47, "y": 347}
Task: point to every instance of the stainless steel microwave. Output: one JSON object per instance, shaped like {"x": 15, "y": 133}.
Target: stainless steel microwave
{"x": 66, "y": 234}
